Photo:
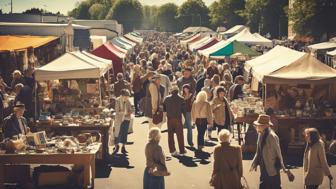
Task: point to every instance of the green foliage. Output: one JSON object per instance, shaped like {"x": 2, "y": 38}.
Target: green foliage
{"x": 227, "y": 13}
{"x": 128, "y": 13}
{"x": 150, "y": 20}
{"x": 193, "y": 13}
{"x": 37, "y": 11}
{"x": 314, "y": 17}
{"x": 96, "y": 11}
{"x": 267, "y": 16}
{"x": 167, "y": 17}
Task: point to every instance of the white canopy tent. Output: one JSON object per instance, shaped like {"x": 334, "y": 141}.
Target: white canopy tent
{"x": 272, "y": 61}
{"x": 74, "y": 65}
{"x": 246, "y": 37}
{"x": 197, "y": 29}
{"x": 134, "y": 38}
{"x": 332, "y": 53}
{"x": 305, "y": 70}
{"x": 322, "y": 46}
{"x": 234, "y": 30}
{"x": 186, "y": 41}
{"x": 192, "y": 45}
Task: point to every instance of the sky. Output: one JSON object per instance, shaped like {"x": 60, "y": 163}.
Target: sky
{"x": 66, "y": 5}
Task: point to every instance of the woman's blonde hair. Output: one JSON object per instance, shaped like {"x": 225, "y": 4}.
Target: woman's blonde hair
{"x": 154, "y": 134}
{"x": 224, "y": 136}
{"x": 202, "y": 96}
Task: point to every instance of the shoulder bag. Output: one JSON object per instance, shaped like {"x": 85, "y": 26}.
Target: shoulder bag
{"x": 158, "y": 115}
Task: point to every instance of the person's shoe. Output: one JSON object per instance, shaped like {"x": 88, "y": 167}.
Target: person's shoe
{"x": 115, "y": 150}
{"x": 123, "y": 150}
{"x": 199, "y": 148}
{"x": 183, "y": 153}
{"x": 175, "y": 154}
{"x": 191, "y": 145}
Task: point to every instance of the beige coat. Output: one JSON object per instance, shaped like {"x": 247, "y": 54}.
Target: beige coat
{"x": 315, "y": 164}
{"x": 218, "y": 109}
{"x": 228, "y": 167}
{"x": 201, "y": 110}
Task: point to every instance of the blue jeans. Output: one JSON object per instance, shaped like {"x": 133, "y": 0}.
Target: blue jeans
{"x": 122, "y": 137}
{"x": 187, "y": 124}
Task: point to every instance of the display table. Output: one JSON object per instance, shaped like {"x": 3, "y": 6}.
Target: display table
{"x": 289, "y": 127}
{"x": 102, "y": 129}
{"x": 85, "y": 159}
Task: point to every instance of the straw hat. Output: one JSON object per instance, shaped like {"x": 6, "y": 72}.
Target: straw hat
{"x": 263, "y": 120}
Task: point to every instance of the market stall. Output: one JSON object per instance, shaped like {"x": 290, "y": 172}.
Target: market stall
{"x": 300, "y": 91}
{"x": 227, "y": 49}
{"x": 246, "y": 37}
{"x": 111, "y": 52}
{"x": 72, "y": 101}
{"x": 55, "y": 151}
{"x": 331, "y": 58}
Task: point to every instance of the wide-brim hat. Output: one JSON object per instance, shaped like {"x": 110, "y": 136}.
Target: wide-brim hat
{"x": 263, "y": 119}
{"x": 19, "y": 104}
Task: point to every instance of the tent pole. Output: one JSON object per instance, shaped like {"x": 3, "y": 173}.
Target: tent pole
{"x": 100, "y": 92}
{"x": 36, "y": 99}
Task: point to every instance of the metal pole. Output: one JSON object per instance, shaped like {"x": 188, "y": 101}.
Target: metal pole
{"x": 11, "y": 6}
{"x": 100, "y": 92}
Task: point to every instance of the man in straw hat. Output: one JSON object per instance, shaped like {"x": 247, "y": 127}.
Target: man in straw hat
{"x": 174, "y": 105}
{"x": 268, "y": 155}
{"x": 16, "y": 124}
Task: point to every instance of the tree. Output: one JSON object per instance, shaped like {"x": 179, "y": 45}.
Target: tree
{"x": 193, "y": 13}
{"x": 92, "y": 9}
{"x": 128, "y": 13}
{"x": 97, "y": 11}
{"x": 313, "y": 17}
{"x": 167, "y": 17}
{"x": 227, "y": 13}
{"x": 81, "y": 11}
{"x": 150, "y": 20}
{"x": 267, "y": 16}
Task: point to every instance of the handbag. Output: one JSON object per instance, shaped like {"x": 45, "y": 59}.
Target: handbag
{"x": 130, "y": 127}
{"x": 158, "y": 173}
{"x": 157, "y": 117}
{"x": 290, "y": 176}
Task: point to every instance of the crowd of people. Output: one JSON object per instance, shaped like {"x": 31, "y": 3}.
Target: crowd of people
{"x": 174, "y": 86}
{"x": 171, "y": 84}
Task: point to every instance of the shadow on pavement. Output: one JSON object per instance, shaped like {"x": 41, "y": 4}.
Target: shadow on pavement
{"x": 187, "y": 161}
{"x": 103, "y": 170}
{"x": 203, "y": 156}
{"x": 120, "y": 160}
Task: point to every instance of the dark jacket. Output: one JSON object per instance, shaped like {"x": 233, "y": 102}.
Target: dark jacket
{"x": 174, "y": 106}
{"x": 235, "y": 92}
{"x": 26, "y": 97}
{"x": 120, "y": 85}
{"x": 200, "y": 83}
{"x": 191, "y": 81}
{"x": 11, "y": 126}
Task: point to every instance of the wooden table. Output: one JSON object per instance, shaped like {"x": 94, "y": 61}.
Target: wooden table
{"x": 285, "y": 122}
{"x": 87, "y": 160}
{"x": 102, "y": 129}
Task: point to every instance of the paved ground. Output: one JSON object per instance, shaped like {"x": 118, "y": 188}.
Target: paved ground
{"x": 190, "y": 172}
